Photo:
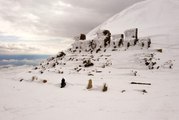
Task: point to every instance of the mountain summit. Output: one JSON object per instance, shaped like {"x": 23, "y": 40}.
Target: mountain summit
{"x": 152, "y": 17}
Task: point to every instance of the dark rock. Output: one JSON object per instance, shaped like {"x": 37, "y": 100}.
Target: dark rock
{"x": 44, "y": 81}
{"x": 154, "y": 63}
{"x": 35, "y": 68}
{"x": 63, "y": 83}
{"x": 142, "y": 44}
{"x": 123, "y": 91}
{"x": 106, "y": 33}
{"x": 98, "y": 50}
{"x": 79, "y": 70}
{"x": 53, "y": 65}
{"x": 128, "y": 44}
{"x": 149, "y": 43}
{"x": 147, "y": 63}
{"x": 114, "y": 49}
{"x": 82, "y": 37}
{"x": 88, "y": 64}
{"x": 159, "y": 50}
{"x": 41, "y": 72}
{"x": 61, "y": 54}
{"x": 135, "y": 41}
{"x": 21, "y": 80}
{"x": 121, "y": 43}
{"x": 144, "y": 91}
{"x": 105, "y": 88}
{"x": 139, "y": 83}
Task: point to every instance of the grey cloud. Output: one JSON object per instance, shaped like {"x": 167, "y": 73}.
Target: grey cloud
{"x": 34, "y": 47}
{"x": 17, "y": 48}
{"x": 105, "y": 7}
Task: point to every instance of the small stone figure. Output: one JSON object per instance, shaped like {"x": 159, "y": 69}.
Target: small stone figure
{"x": 63, "y": 83}
{"x": 90, "y": 85}
{"x": 105, "y": 88}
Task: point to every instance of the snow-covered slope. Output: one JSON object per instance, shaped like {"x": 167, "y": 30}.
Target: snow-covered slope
{"x": 36, "y": 93}
{"x": 152, "y": 17}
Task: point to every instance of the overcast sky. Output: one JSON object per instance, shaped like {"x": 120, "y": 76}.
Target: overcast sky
{"x": 47, "y": 26}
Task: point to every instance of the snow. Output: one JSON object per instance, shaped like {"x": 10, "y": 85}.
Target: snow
{"x": 36, "y": 100}
{"x": 152, "y": 17}
{"x": 25, "y": 99}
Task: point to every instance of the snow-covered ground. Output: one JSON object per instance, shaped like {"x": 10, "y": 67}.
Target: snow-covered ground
{"x": 37, "y": 100}
{"x": 23, "y": 98}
